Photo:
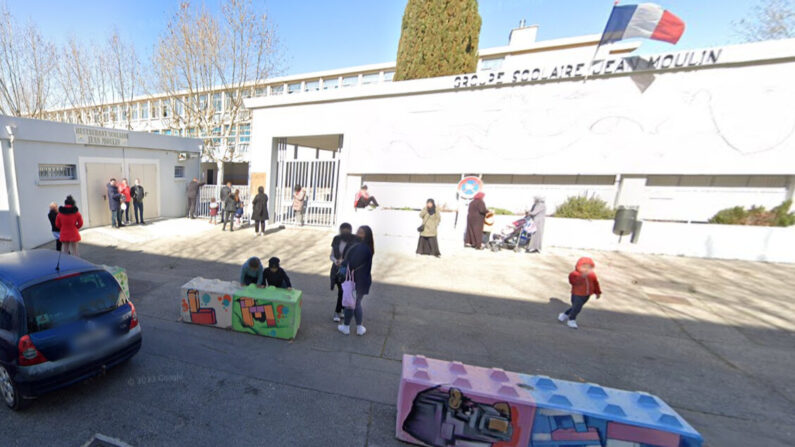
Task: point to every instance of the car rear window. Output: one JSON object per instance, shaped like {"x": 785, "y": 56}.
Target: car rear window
{"x": 69, "y": 298}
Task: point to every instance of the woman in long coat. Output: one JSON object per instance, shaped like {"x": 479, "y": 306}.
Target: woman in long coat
{"x": 538, "y": 212}
{"x": 475, "y": 218}
{"x": 428, "y": 244}
{"x": 259, "y": 211}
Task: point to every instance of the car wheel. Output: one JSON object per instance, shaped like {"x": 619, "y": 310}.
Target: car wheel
{"x": 9, "y": 391}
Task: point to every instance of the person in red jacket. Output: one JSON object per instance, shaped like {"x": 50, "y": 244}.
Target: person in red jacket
{"x": 124, "y": 190}
{"x": 69, "y": 221}
{"x": 583, "y": 284}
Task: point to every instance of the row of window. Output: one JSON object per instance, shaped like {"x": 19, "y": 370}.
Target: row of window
{"x": 53, "y": 172}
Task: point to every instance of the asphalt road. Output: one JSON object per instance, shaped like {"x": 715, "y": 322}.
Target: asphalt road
{"x": 668, "y": 326}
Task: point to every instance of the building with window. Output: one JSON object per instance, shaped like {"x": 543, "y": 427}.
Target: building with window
{"x": 43, "y": 162}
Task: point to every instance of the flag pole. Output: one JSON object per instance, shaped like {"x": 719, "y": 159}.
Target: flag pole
{"x": 599, "y": 45}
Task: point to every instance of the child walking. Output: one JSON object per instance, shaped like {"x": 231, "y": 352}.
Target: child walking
{"x": 583, "y": 284}
{"x": 213, "y": 211}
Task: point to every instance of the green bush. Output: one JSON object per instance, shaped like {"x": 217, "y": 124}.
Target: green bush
{"x": 756, "y": 215}
{"x": 501, "y": 212}
{"x": 583, "y": 207}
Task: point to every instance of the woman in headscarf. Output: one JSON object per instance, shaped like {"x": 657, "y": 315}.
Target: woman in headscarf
{"x": 538, "y": 212}
{"x": 475, "y": 218}
{"x": 428, "y": 245}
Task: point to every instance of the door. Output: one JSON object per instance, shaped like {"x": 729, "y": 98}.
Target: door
{"x": 97, "y": 177}
{"x": 147, "y": 174}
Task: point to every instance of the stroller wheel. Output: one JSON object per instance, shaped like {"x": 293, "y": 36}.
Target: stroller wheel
{"x": 495, "y": 248}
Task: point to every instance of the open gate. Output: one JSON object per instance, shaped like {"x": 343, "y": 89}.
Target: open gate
{"x": 320, "y": 180}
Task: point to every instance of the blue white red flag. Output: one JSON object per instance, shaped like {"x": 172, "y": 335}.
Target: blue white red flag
{"x": 646, "y": 20}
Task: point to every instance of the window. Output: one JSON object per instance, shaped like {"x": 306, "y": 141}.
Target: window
{"x": 203, "y": 102}
{"x": 245, "y": 133}
{"x": 330, "y": 84}
{"x": 293, "y": 88}
{"x": 135, "y": 112}
{"x": 260, "y": 91}
{"x": 388, "y": 76}
{"x": 492, "y": 64}
{"x": 370, "y": 78}
{"x": 277, "y": 89}
{"x": 155, "y": 113}
{"x": 106, "y": 114}
{"x": 166, "y": 108}
{"x": 311, "y": 86}
{"x": 57, "y": 172}
{"x": 217, "y": 103}
{"x": 179, "y": 171}
{"x": 180, "y": 106}
{"x": 167, "y": 132}
{"x": 350, "y": 81}
{"x": 145, "y": 111}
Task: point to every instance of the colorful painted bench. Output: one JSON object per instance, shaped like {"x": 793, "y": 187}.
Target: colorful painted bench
{"x": 121, "y": 277}
{"x": 448, "y": 403}
{"x": 269, "y": 311}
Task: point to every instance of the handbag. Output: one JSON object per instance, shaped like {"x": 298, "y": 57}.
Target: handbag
{"x": 348, "y": 288}
{"x": 421, "y": 228}
{"x": 124, "y": 206}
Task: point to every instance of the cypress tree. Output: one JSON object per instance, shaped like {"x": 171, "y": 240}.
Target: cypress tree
{"x": 438, "y": 38}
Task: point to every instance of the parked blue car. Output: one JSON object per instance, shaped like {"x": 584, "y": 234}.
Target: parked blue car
{"x": 62, "y": 320}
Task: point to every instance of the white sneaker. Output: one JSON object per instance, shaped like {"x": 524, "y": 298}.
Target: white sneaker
{"x": 562, "y": 317}
{"x": 256, "y": 234}
{"x": 344, "y": 329}
{"x": 336, "y": 317}
{"x": 360, "y": 330}
{"x": 572, "y": 324}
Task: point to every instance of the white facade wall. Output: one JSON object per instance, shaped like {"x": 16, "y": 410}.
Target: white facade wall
{"x": 41, "y": 142}
{"x": 730, "y": 117}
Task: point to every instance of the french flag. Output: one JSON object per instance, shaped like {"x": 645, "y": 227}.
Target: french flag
{"x": 645, "y": 20}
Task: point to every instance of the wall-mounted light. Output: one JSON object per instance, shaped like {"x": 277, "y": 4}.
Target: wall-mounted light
{"x": 10, "y": 128}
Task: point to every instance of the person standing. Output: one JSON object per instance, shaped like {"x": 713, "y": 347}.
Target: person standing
{"x": 359, "y": 261}
{"x": 55, "y": 232}
{"x": 193, "y": 194}
{"x": 69, "y": 221}
{"x": 230, "y": 205}
{"x": 259, "y": 211}
{"x": 538, "y": 213}
{"x": 114, "y": 203}
{"x": 137, "y": 193}
{"x": 475, "y": 218}
{"x": 299, "y": 204}
{"x": 339, "y": 248}
{"x": 428, "y": 244}
{"x": 226, "y": 190}
{"x": 124, "y": 190}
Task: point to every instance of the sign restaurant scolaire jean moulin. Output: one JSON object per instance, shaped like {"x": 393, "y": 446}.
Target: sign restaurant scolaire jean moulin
{"x": 633, "y": 64}
{"x": 100, "y": 137}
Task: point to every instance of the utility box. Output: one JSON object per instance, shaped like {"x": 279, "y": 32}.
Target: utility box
{"x": 625, "y": 219}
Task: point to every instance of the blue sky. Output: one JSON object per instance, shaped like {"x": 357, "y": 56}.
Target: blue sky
{"x": 318, "y": 35}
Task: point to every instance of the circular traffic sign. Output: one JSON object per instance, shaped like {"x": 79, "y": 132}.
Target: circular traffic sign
{"x": 469, "y": 186}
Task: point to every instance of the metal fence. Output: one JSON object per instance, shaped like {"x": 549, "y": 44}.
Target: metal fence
{"x": 319, "y": 178}
{"x": 207, "y": 192}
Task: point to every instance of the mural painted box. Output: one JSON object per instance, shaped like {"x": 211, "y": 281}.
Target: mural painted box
{"x": 121, "y": 277}
{"x": 208, "y": 302}
{"x": 271, "y": 311}
{"x": 445, "y": 404}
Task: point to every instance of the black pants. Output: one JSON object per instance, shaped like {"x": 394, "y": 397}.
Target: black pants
{"x": 221, "y": 210}
{"x": 577, "y": 301}
{"x": 127, "y": 213}
{"x": 258, "y": 224}
{"x": 192, "y": 207}
{"x": 115, "y": 218}
{"x": 138, "y": 208}
{"x": 230, "y": 219}
{"x": 338, "y": 309}
{"x": 363, "y": 203}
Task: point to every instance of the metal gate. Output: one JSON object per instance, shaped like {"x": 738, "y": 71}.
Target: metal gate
{"x": 320, "y": 180}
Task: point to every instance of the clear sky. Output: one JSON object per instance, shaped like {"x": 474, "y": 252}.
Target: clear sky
{"x": 323, "y": 34}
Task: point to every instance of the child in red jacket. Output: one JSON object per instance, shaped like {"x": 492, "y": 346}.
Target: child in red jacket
{"x": 69, "y": 222}
{"x": 583, "y": 284}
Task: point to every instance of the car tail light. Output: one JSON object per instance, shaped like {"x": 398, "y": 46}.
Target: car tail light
{"x": 28, "y": 354}
{"x": 133, "y": 316}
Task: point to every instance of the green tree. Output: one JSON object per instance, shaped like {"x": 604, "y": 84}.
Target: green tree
{"x": 438, "y": 38}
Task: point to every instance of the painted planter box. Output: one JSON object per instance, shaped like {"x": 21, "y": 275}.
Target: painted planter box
{"x": 121, "y": 277}
{"x": 208, "y": 302}
{"x": 271, "y": 311}
{"x": 448, "y": 403}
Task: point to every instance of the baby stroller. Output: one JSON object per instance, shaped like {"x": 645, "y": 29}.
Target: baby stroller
{"x": 514, "y": 236}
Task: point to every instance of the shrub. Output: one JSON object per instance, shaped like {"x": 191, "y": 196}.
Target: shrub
{"x": 756, "y": 215}
{"x": 583, "y": 207}
{"x": 501, "y": 212}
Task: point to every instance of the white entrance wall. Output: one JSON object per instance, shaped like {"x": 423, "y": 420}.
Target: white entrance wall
{"x": 733, "y": 117}
{"x": 41, "y": 142}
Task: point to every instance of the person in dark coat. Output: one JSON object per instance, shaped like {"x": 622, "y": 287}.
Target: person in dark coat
{"x": 137, "y": 193}
{"x": 275, "y": 275}
{"x": 230, "y": 206}
{"x": 339, "y": 248}
{"x": 226, "y": 191}
{"x": 475, "y": 218}
{"x": 359, "y": 260}
{"x": 259, "y": 211}
{"x": 114, "y": 203}
{"x": 55, "y": 231}
{"x": 193, "y": 194}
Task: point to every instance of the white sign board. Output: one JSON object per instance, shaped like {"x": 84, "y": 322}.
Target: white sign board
{"x": 101, "y": 137}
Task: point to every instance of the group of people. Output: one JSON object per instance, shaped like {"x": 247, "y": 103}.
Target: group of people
{"x": 253, "y": 272}
{"x": 351, "y": 258}
{"x": 479, "y": 216}
{"x": 121, "y": 197}
{"x": 230, "y": 207}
